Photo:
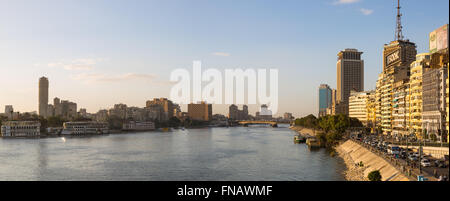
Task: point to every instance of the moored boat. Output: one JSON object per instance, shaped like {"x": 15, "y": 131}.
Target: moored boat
{"x": 299, "y": 139}
{"x": 312, "y": 142}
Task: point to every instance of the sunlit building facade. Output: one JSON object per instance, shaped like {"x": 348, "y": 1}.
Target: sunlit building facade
{"x": 415, "y": 83}
{"x": 397, "y": 58}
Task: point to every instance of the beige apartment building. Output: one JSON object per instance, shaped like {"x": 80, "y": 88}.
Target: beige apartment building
{"x": 200, "y": 111}
{"x": 397, "y": 58}
{"x": 400, "y": 108}
{"x": 167, "y": 105}
{"x": 358, "y": 105}
{"x": 415, "y": 84}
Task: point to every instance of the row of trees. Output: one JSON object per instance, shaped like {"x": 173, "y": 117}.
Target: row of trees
{"x": 338, "y": 123}
{"x": 333, "y": 127}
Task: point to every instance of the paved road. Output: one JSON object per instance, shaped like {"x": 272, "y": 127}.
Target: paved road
{"x": 398, "y": 162}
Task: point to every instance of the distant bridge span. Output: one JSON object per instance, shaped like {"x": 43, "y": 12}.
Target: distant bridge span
{"x": 271, "y": 123}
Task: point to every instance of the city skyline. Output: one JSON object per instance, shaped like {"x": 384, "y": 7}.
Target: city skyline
{"x": 86, "y": 66}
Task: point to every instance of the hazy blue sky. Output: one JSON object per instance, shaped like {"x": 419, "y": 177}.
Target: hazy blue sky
{"x": 101, "y": 52}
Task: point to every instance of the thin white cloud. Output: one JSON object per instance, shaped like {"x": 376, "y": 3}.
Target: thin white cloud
{"x": 99, "y": 77}
{"x": 221, "y": 54}
{"x": 339, "y": 2}
{"x": 77, "y": 64}
{"x": 365, "y": 11}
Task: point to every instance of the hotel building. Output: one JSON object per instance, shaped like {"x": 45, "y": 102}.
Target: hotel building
{"x": 350, "y": 76}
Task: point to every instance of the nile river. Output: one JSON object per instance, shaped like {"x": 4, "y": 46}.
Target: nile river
{"x": 209, "y": 154}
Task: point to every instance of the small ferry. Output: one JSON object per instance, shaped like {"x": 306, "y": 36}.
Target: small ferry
{"x": 313, "y": 142}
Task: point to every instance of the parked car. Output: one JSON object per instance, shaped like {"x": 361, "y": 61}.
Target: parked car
{"x": 440, "y": 164}
{"x": 403, "y": 154}
{"x": 412, "y": 158}
{"x": 425, "y": 163}
{"x": 394, "y": 150}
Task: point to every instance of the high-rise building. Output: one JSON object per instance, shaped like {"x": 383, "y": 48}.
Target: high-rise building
{"x": 43, "y": 96}
{"x": 200, "y": 111}
{"x": 325, "y": 99}
{"x": 400, "y": 108}
{"x": 167, "y": 105}
{"x": 332, "y": 110}
{"x": 397, "y": 58}
{"x": 434, "y": 102}
{"x": 415, "y": 86}
{"x": 447, "y": 106}
{"x": 378, "y": 98}
{"x": 439, "y": 42}
{"x": 350, "y": 76}
{"x": 235, "y": 114}
{"x": 371, "y": 106}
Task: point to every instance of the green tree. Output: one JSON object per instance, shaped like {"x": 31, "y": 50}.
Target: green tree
{"x": 3, "y": 119}
{"x": 174, "y": 122}
{"x": 333, "y": 137}
{"x": 374, "y": 176}
{"x": 55, "y": 121}
{"x": 115, "y": 122}
{"x": 342, "y": 123}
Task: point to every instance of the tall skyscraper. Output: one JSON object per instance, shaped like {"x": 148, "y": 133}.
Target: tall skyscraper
{"x": 350, "y": 73}
{"x": 350, "y": 77}
{"x": 43, "y": 96}
{"x": 325, "y": 99}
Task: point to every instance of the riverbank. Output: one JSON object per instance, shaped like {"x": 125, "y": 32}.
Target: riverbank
{"x": 352, "y": 172}
{"x": 307, "y": 132}
{"x": 353, "y": 153}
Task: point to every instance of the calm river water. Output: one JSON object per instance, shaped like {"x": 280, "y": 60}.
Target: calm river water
{"x": 210, "y": 154}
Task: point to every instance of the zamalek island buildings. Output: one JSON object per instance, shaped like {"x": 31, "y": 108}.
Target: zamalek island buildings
{"x": 412, "y": 91}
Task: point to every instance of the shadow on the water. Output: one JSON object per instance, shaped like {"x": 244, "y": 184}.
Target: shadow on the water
{"x": 313, "y": 149}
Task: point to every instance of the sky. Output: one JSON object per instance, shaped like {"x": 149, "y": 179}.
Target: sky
{"x": 101, "y": 52}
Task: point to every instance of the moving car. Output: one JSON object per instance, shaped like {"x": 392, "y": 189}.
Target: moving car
{"x": 412, "y": 157}
{"x": 425, "y": 163}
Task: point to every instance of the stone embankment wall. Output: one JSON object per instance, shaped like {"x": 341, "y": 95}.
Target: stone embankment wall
{"x": 354, "y": 153}
{"x": 305, "y": 131}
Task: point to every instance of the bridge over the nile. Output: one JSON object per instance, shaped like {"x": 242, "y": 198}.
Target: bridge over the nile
{"x": 271, "y": 123}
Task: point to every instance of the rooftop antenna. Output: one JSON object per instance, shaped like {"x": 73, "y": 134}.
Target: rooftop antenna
{"x": 398, "y": 31}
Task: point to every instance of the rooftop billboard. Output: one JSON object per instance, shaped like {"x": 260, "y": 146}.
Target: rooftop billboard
{"x": 439, "y": 39}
